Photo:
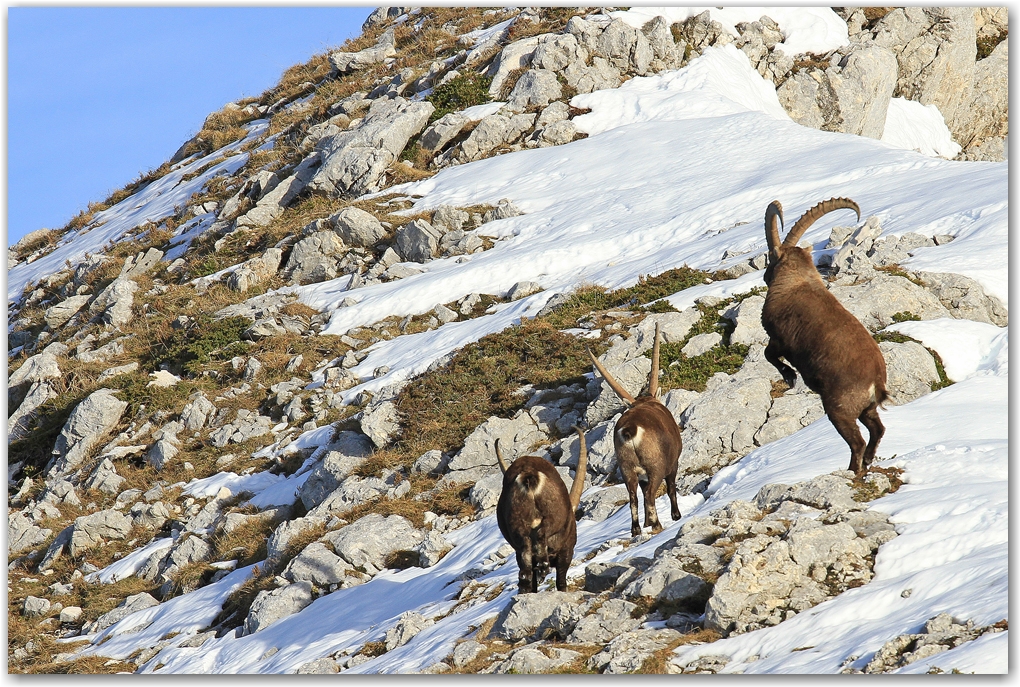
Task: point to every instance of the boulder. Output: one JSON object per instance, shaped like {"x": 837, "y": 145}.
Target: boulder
{"x": 418, "y": 241}
{"x": 287, "y": 530}
{"x": 875, "y": 302}
{"x": 21, "y": 419}
{"x": 442, "y": 131}
{"x": 367, "y": 542}
{"x": 357, "y": 227}
{"x": 57, "y": 315}
{"x": 988, "y": 112}
{"x": 380, "y": 422}
{"x": 666, "y": 580}
{"x": 910, "y": 371}
{"x": 315, "y": 258}
{"x": 432, "y": 549}
{"x": 632, "y": 376}
{"x": 114, "y": 303}
{"x": 273, "y": 203}
{"x": 406, "y": 628}
{"x": 517, "y": 435}
{"x": 324, "y": 665}
{"x": 353, "y": 492}
{"x": 256, "y": 270}
{"x": 104, "y": 478}
{"x": 852, "y": 97}
{"x": 272, "y": 605}
{"x": 701, "y": 344}
{"x": 130, "y": 605}
{"x": 336, "y": 466}
{"x": 557, "y": 133}
{"x": 627, "y": 652}
{"x": 347, "y": 62}
{"x": 491, "y": 132}
{"x": 318, "y": 565}
{"x": 626, "y": 48}
{"x": 965, "y": 298}
{"x": 197, "y": 412}
{"x": 33, "y": 607}
{"x": 355, "y": 160}
{"x": 612, "y": 619}
{"x": 23, "y": 534}
{"x": 603, "y": 503}
{"x": 529, "y": 616}
{"x": 532, "y": 660}
{"x": 504, "y": 209}
{"x": 89, "y": 422}
{"x": 536, "y": 87}
{"x": 935, "y": 49}
{"x": 746, "y": 315}
{"x": 789, "y": 413}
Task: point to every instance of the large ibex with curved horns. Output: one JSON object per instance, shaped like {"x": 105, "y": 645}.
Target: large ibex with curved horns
{"x": 836, "y": 356}
{"x": 648, "y": 445}
{"x": 536, "y": 516}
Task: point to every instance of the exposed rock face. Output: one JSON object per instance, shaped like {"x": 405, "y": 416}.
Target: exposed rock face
{"x": 315, "y": 258}
{"x": 23, "y": 534}
{"x": 517, "y": 435}
{"x": 89, "y": 422}
{"x": 255, "y": 271}
{"x": 628, "y": 652}
{"x": 939, "y": 634}
{"x": 60, "y": 313}
{"x": 989, "y": 107}
{"x": 270, "y": 606}
{"x": 131, "y": 604}
{"x": 318, "y": 565}
{"x": 965, "y": 298}
{"x": 114, "y": 303}
{"x": 272, "y": 204}
{"x": 346, "y": 62}
{"x": 409, "y": 625}
{"x": 537, "y": 615}
{"x": 380, "y": 422}
{"x": 358, "y": 228}
{"x": 354, "y": 161}
{"x": 935, "y": 48}
{"x": 910, "y": 371}
{"x": 366, "y": 543}
{"x": 875, "y": 303}
{"x": 852, "y": 97}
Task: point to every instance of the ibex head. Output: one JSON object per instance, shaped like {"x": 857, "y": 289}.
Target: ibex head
{"x": 788, "y": 253}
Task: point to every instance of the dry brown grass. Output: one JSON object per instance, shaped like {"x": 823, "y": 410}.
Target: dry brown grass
{"x": 656, "y": 663}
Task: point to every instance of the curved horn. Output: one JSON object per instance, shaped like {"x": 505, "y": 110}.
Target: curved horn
{"x": 653, "y": 376}
{"x": 812, "y": 216}
{"x": 499, "y": 457}
{"x": 773, "y": 222}
{"x": 613, "y": 384}
{"x": 582, "y": 470}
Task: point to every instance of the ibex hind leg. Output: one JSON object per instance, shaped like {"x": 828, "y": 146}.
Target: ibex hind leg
{"x": 774, "y": 354}
{"x": 632, "y": 492}
{"x": 847, "y": 428}
{"x": 562, "y": 563}
{"x": 674, "y": 509}
{"x": 651, "y": 488}
{"x": 525, "y": 578}
{"x": 540, "y": 558}
{"x": 869, "y": 418}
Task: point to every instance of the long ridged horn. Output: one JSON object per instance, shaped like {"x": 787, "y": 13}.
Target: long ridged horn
{"x": 613, "y": 384}
{"x": 653, "y": 376}
{"x": 582, "y": 470}
{"x": 812, "y": 216}
{"x": 773, "y": 223}
{"x": 499, "y": 457}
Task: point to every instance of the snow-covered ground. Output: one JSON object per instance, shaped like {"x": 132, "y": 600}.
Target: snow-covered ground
{"x": 678, "y": 169}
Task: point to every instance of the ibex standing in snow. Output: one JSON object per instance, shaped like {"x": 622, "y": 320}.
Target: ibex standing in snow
{"x": 648, "y": 445}
{"x": 536, "y": 515}
{"x": 834, "y": 353}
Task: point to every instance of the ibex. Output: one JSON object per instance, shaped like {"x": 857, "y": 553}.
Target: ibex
{"x": 648, "y": 445}
{"x": 536, "y": 516}
{"x": 834, "y": 353}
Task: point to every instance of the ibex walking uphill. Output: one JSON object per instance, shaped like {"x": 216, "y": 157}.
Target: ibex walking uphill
{"x": 536, "y": 515}
{"x": 648, "y": 445}
{"x": 836, "y": 356}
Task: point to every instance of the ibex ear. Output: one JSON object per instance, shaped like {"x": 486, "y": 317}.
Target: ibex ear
{"x": 773, "y": 223}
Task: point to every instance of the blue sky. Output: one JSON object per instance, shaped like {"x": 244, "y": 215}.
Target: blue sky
{"x": 96, "y": 95}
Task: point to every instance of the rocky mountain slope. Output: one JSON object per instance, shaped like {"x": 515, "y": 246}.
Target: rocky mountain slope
{"x": 253, "y": 396}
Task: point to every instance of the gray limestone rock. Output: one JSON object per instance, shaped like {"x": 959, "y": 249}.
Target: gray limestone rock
{"x": 746, "y": 315}
{"x": 380, "y": 422}
{"x": 315, "y": 258}
{"x": 367, "y": 542}
{"x": 197, "y": 412}
{"x": 627, "y": 652}
{"x": 535, "y": 87}
{"x": 491, "y": 132}
{"x": 442, "y": 131}
{"x": 875, "y": 302}
{"x": 603, "y": 503}
{"x": 57, "y": 315}
{"x": 89, "y": 422}
{"x": 23, "y": 534}
{"x": 130, "y": 605}
{"x": 612, "y": 619}
{"x": 346, "y": 62}
{"x": 702, "y": 343}
{"x": 789, "y": 413}
{"x": 910, "y": 371}
{"x": 527, "y": 614}
{"x": 418, "y": 241}
{"x": 517, "y": 435}
{"x": 965, "y": 298}
{"x": 256, "y": 270}
{"x": 852, "y": 97}
{"x": 273, "y": 203}
{"x": 114, "y": 303}
{"x": 406, "y": 628}
{"x": 358, "y": 228}
{"x": 320, "y": 666}
{"x": 279, "y": 540}
{"x": 355, "y": 160}
{"x": 432, "y": 549}
{"x": 533, "y": 660}
{"x": 504, "y": 209}
{"x": 272, "y": 605}
{"x": 21, "y": 419}
{"x": 104, "y": 478}
{"x": 318, "y": 565}
{"x": 33, "y": 607}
